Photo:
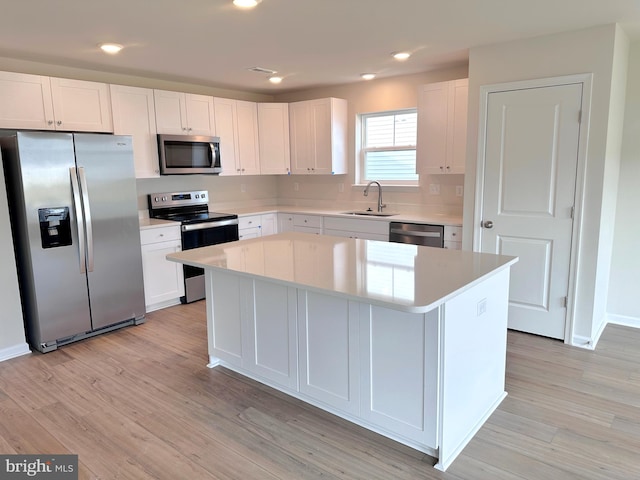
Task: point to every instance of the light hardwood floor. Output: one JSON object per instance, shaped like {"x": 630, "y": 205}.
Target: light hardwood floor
{"x": 139, "y": 403}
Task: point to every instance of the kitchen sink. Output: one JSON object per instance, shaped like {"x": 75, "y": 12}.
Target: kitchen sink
{"x": 368, "y": 213}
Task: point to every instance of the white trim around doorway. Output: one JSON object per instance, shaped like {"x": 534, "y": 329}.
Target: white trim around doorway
{"x": 586, "y": 79}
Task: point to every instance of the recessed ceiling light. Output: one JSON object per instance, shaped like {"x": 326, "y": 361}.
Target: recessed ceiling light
{"x": 275, "y": 79}
{"x": 111, "y": 48}
{"x": 368, "y": 76}
{"x": 246, "y": 3}
{"x": 401, "y": 55}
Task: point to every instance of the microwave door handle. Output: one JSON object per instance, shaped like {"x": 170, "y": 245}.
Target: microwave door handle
{"x": 214, "y": 155}
{"x": 75, "y": 190}
{"x": 87, "y": 216}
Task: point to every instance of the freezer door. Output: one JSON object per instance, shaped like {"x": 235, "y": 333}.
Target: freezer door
{"x": 114, "y": 258}
{"x": 54, "y": 289}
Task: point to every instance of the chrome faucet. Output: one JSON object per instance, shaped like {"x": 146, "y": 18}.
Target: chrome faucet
{"x": 366, "y": 193}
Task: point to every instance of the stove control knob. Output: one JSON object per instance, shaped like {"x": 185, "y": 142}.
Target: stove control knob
{"x": 202, "y": 195}
{"x": 197, "y": 196}
{"x": 156, "y": 199}
{"x": 164, "y": 199}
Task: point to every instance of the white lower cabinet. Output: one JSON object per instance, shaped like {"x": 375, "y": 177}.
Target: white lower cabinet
{"x": 452, "y": 237}
{"x": 356, "y": 228}
{"x": 163, "y": 280}
{"x": 307, "y": 223}
{"x": 249, "y": 226}
{"x": 328, "y": 341}
{"x": 399, "y": 393}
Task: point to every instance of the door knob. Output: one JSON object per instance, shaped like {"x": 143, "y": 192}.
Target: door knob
{"x": 487, "y": 224}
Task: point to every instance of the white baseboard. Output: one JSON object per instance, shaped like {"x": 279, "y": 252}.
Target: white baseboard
{"x": 14, "y": 351}
{"x": 624, "y": 320}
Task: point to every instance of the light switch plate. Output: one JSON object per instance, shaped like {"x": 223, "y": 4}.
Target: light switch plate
{"x": 434, "y": 189}
{"x": 459, "y": 190}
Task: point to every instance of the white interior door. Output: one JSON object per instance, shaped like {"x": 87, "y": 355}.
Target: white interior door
{"x": 531, "y": 157}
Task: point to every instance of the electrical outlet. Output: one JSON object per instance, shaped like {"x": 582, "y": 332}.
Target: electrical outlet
{"x": 296, "y": 186}
{"x": 434, "y": 189}
{"x": 482, "y": 307}
{"x": 459, "y": 190}
{"x": 243, "y": 187}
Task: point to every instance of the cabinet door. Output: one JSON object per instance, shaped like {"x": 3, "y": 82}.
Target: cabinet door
{"x": 200, "y": 115}
{"x": 433, "y": 121}
{"x": 457, "y": 135}
{"x": 399, "y": 378}
{"x": 171, "y": 113}
{"x": 300, "y": 137}
{"x": 321, "y": 151}
{"x": 247, "y": 137}
{"x": 269, "y": 224}
{"x": 225, "y": 112}
{"x": 81, "y": 106}
{"x": 25, "y": 102}
{"x": 285, "y": 222}
{"x": 328, "y": 356}
{"x": 271, "y": 348}
{"x": 273, "y": 138}
{"x": 134, "y": 114}
{"x": 163, "y": 280}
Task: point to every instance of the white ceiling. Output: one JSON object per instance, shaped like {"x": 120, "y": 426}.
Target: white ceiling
{"x": 310, "y": 42}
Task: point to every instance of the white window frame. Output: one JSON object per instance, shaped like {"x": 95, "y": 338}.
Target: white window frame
{"x": 361, "y": 151}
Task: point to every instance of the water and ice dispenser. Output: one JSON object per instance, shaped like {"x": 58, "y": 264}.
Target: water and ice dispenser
{"x": 55, "y": 227}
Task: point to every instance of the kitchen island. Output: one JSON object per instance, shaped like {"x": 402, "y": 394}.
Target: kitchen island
{"x": 404, "y": 340}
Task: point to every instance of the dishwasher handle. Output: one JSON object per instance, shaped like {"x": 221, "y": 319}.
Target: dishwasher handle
{"x": 415, "y": 233}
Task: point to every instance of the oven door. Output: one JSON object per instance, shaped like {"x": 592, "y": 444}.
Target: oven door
{"x": 202, "y": 235}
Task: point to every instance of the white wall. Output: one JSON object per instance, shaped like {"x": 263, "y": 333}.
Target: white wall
{"x": 12, "y": 337}
{"x": 363, "y": 97}
{"x": 623, "y": 305}
{"x": 585, "y": 51}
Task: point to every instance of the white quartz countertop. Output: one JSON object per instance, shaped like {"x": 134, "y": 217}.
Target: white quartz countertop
{"x": 423, "y": 217}
{"x": 147, "y": 223}
{"x": 410, "y": 278}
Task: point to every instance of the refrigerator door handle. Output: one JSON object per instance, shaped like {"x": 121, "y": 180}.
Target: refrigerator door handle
{"x": 87, "y": 217}
{"x": 75, "y": 190}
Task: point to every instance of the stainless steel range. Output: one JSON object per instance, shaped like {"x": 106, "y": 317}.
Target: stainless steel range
{"x": 199, "y": 228}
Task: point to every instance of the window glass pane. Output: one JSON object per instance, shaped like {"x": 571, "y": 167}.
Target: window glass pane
{"x": 390, "y": 165}
{"x": 388, "y": 146}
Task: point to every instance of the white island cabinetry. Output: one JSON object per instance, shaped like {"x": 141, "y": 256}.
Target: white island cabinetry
{"x": 424, "y": 366}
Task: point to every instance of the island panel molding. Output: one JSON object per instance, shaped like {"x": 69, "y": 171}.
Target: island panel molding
{"x": 422, "y": 364}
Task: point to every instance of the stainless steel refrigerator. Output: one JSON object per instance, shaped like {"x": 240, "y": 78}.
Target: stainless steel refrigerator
{"x": 74, "y": 219}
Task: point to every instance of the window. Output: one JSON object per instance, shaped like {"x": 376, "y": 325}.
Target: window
{"x": 388, "y": 147}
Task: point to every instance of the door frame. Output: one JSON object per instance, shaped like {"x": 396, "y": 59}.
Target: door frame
{"x": 586, "y": 80}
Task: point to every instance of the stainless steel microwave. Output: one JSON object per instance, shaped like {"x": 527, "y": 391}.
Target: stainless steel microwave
{"x": 189, "y": 154}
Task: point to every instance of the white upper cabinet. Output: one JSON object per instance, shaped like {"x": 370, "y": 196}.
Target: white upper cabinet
{"x": 44, "y": 103}
{"x": 318, "y": 134}
{"x": 180, "y": 113}
{"x": 237, "y": 127}
{"x": 134, "y": 114}
{"x": 442, "y": 127}
{"x": 273, "y": 138}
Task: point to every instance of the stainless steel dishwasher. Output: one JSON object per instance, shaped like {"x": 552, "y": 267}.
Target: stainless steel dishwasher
{"x": 417, "y": 234}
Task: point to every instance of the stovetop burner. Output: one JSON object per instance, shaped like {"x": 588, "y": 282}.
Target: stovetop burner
{"x": 190, "y": 218}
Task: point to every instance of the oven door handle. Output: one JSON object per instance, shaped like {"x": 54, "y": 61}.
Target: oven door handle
{"x": 206, "y": 225}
